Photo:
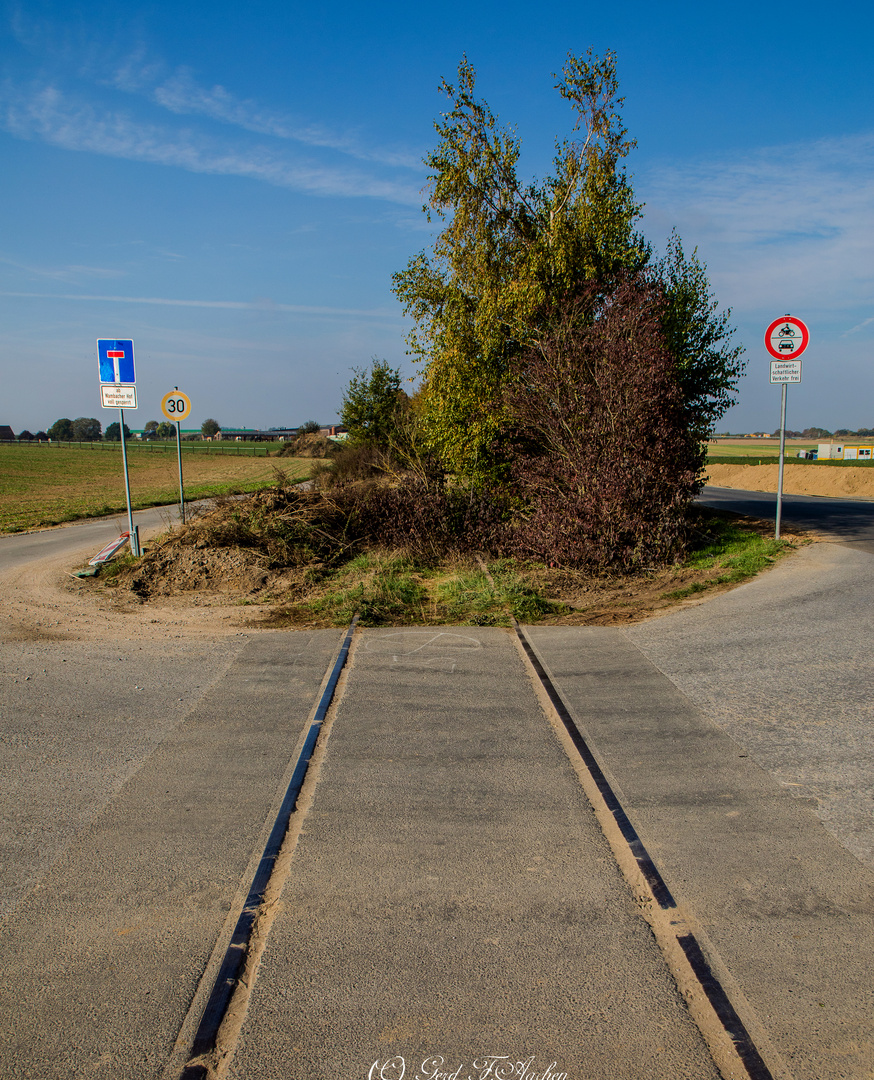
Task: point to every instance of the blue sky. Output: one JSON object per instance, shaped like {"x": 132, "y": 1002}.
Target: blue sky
{"x": 232, "y": 186}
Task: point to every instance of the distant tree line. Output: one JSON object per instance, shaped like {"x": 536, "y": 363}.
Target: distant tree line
{"x": 89, "y": 429}
{"x": 824, "y": 433}
{"x": 82, "y": 429}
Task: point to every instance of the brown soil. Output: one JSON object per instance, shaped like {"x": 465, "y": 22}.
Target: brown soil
{"x": 174, "y": 569}
{"x": 186, "y": 588}
{"x": 43, "y": 601}
{"x": 309, "y": 446}
{"x": 797, "y": 479}
{"x": 184, "y": 564}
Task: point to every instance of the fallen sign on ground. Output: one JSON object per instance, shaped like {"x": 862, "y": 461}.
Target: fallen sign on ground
{"x": 106, "y": 553}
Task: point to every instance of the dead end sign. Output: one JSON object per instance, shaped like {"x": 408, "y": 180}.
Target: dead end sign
{"x": 116, "y": 359}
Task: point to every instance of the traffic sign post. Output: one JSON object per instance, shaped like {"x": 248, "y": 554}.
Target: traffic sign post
{"x": 115, "y": 357}
{"x": 785, "y": 339}
{"x": 176, "y": 406}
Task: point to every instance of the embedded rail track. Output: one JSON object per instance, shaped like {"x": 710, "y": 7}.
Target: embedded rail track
{"x": 220, "y": 1008}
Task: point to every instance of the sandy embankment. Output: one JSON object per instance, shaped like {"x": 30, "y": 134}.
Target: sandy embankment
{"x": 836, "y": 481}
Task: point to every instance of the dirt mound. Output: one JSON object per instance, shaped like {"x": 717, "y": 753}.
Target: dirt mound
{"x": 308, "y": 446}
{"x": 288, "y": 552}
{"x": 244, "y": 546}
{"x": 174, "y": 568}
{"x": 832, "y": 480}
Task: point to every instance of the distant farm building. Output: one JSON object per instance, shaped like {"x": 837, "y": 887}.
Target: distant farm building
{"x": 839, "y": 452}
{"x": 255, "y": 434}
{"x": 6, "y": 433}
{"x": 272, "y": 434}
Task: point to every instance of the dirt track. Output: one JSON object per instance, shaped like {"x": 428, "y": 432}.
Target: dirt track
{"x": 797, "y": 479}
{"x": 42, "y": 601}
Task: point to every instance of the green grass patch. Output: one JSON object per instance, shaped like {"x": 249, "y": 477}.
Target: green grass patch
{"x": 387, "y": 589}
{"x": 382, "y": 589}
{"x": 48, "y": 485}
{"x": 733, "y": 552}
{"x": 749, "y": 459}
{"x": 761, "y": 459}
{"x": 469, "y": 597}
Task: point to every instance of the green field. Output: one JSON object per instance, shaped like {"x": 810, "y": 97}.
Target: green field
{"x": 47, "y": 484}
{"x": 767, "y": 452}
{"x": 755, "y": 451}
{"x": 163, "y": 446}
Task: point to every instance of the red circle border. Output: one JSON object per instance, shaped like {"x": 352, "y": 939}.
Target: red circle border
{"x": 805, "y": 338}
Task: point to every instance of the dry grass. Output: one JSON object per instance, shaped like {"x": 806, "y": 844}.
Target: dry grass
{"x": 273, "y": 553}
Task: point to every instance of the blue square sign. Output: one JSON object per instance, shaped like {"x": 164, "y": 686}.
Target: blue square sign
{"x": 116, "y": 360}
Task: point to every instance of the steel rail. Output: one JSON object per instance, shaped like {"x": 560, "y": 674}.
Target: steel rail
{"x": 231, "y": 966}
{"x": 732, "y": 1024}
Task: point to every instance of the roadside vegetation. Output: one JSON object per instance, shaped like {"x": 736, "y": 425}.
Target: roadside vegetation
{"x": 315, "y": 558}
{"x": 546, "y": 467}
{"x": 567, "y": 370}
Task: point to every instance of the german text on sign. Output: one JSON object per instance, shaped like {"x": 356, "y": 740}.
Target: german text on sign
{"x": 785, "y": 371}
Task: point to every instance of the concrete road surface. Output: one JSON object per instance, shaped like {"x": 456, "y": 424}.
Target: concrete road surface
{"x": 786, "y": 910}
{"x": 451, "y": 896}
{"x": 136, "y": 789}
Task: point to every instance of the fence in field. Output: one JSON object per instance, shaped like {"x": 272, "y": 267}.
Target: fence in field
{"x": 152, "y": 446}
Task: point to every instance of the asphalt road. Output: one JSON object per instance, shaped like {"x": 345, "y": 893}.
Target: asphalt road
{"x": 18, "y": 549}
{"x": 850, "y": 521}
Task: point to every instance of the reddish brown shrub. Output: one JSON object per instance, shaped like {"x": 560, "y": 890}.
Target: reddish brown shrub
{"x": 428, "y": 521}
{"x": 601, "y": 455}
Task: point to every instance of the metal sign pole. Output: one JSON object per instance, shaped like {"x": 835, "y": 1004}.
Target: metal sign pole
{"x": 782, "y": 456}
{"x": 176, "y": 406}
{"x": 134, "y": 538}
{"x": 179, "y": 455}
{"x": 118, "y": 386}
{"x": 785, "y": 339}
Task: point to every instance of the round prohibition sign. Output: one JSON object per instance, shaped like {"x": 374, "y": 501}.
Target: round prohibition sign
{"x": 786, "y": 338}
{"x": 176, "y": 405}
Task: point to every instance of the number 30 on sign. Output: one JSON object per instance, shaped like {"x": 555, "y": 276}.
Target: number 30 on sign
{"x": 175, "y": 405}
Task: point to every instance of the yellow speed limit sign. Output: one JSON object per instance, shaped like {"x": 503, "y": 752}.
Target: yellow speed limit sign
{"x": 175, "y": 405}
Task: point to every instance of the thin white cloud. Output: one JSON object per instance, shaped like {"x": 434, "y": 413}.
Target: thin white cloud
{"x": 860, "y": 326}
{"x": 792, "y": 223}
{"x": 62, "y": 273}
{"x": 265, "y": 304}
{"x": 181, "y": 94}
{"x": 45, "y": 113}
